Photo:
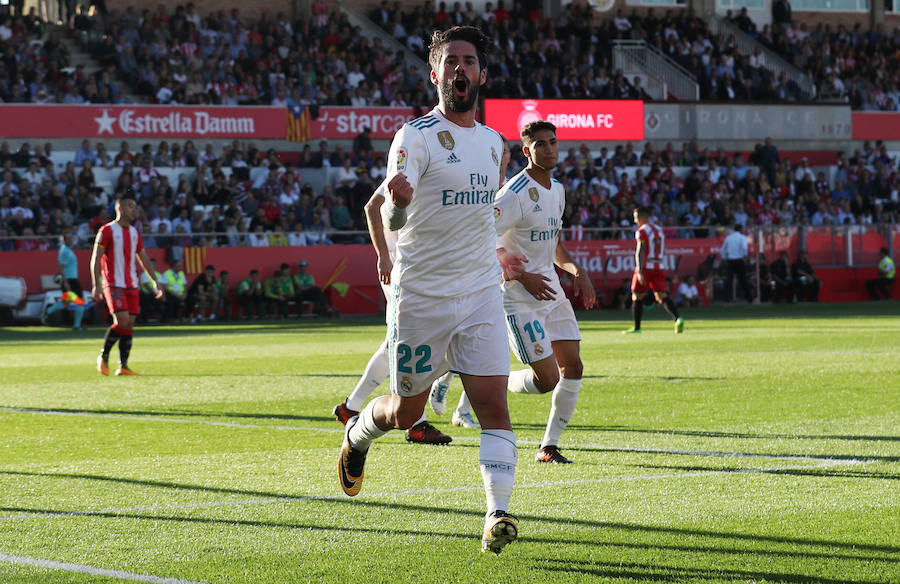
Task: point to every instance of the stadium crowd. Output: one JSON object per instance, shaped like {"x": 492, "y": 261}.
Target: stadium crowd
{"x": 180, "y": 56}
{"x": 693, "y": 190}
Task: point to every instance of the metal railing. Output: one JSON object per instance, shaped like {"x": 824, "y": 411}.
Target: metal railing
{"x": 827, "y": 245}
{"x": 746, "y": 45}
{"x": 665, "y": 76}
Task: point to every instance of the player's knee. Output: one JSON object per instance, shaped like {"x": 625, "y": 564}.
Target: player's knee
{"x": 573, "y": 370}
{"x": 546, "y": 381}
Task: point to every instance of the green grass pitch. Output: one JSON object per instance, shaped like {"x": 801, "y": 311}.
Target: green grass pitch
{"x": 763, "y": 445}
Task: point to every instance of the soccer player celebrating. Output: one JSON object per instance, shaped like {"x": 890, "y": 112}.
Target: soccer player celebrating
{"x": 378, "y": 367}
{"x": 542, "y": 329}
{"x": 446, "y": 310}
{"x": 462, "y": 415}
{"x": 649, "y": 271}
{"x": 117, "y": 250}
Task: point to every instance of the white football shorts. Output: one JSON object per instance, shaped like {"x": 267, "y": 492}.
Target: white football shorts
{"x": 533, "y": 327}
{"x": 429, "y": 336}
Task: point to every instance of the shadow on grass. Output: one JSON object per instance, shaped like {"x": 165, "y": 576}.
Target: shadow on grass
{"x": 812, "y": 472}
{"x": 661, "y": 573}
{"x": 390, "y": 507}
{"x": 717, "y": 434}
{"x": 31, "y": 334}
{"x": 171, "y": 413}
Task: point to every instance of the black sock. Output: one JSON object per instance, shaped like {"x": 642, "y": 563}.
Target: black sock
{"x": 670, "y": 307}
{"x": 637, "y": 310}
{"x": 124, "y": 350}
{"x": 108, "y": 341}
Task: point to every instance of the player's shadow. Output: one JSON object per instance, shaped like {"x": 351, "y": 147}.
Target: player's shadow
{"x": 745, "y": 435}
{"x": 211, "y": 374}
{"x": 798, "y": 472}
{"x": 217, "y": 416}
{"x": 652, "y": 572}
{"x": 389, "y": 507}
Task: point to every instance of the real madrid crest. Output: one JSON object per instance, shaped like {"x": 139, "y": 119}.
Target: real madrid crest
{"x": 538, "y": 350}
{"x": 494, "y": 156}
{"x": 533, "y": 193}
{"x": 406, "y": 384}
{"x": 446, "y": 139}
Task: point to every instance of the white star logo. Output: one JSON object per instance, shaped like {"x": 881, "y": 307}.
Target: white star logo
{"x": 105, "y": 123}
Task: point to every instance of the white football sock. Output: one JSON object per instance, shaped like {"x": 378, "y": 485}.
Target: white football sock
{"x": 497, "y": 458}
{"x": 565, "y": 397}
{"x": 374, "y": 375}
{"x": 464, "y": 406}
{"x": 365, "y": 431}
{"x": 522, "y": 381}
{"x": 446, "y": 378}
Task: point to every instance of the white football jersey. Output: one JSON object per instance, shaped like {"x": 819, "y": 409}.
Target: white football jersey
{"x": 448, "y": 245}
{"x": 528, "y": 219}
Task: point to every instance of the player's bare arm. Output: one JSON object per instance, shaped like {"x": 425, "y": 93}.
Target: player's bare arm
{"x": 144, "y": 260}
{"x": 639, "y": 255}
{"x": 96, "y": 278}
{"x": 583, "y": 285}
{"x": 537, "y": 286}
{"x": 376, "y": 232}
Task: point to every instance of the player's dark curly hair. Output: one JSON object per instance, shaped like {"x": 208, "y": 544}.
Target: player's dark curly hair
{"x": 531, "y": 128}
{"x": 644, "y": 211}
{"x": 482, "y": 43}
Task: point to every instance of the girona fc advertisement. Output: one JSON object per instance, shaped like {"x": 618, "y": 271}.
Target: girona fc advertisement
{"x": 127, "y": 121}
{"x": 575, "y": 119}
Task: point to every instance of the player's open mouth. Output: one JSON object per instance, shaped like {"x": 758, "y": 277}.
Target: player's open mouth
{"x": 460, "y": 86}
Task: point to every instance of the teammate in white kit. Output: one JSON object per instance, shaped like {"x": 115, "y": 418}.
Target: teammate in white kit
{"x": 650, "y": 271}
{"x": 378, "y": 367}
{"x": 118, "y": 249}
{"x": 446, "y": 310}
{"x": 543, "y": 332}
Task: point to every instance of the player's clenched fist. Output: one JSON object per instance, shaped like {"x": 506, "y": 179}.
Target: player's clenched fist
{"x": 401, "y": 191}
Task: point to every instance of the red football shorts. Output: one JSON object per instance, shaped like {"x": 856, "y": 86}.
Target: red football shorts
{"x": 119, "y": 299}
{"x": 653, "y": 280}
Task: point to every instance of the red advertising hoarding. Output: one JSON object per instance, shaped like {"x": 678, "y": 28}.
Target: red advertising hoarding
{"x": 155, "y": 121}
{"x": 876, "y": 125}
{"x": 348, "y": 122}
{"x": 575, "y": 119}
{"x": 129, "y": 121}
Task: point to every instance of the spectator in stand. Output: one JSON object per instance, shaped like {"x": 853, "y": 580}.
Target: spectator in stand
{"x": 780, "y": 278}
{"x": 85, "y": 153}
{"x": 806, "y": 283}
{"x": 278, "y": 289}
{"x": 251, "y": 297}
{"x": 306, "y": 290}
{"x": 688, "y": 294}
{"x": 202, "y": 296}
{"x": 887, "y": 273}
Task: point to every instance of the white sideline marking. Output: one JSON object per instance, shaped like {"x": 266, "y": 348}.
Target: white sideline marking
{"x": 93, "y": 571}
{"x": 388, "y": 494}
{"x": 716, "y": 453}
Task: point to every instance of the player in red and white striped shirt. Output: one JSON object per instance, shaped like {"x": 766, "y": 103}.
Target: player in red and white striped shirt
{"x": 649, "y": 270}
{"x": 118, "y": 249}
